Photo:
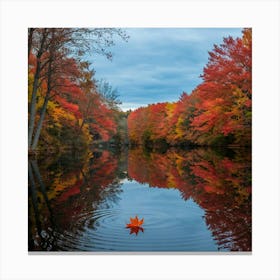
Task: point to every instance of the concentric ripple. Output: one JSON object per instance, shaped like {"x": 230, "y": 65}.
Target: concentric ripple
{"x": 170, "y": 224}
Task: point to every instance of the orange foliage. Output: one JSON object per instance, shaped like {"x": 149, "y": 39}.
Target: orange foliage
{"x": 71, "y": 92}
{"x": 217, "y": 112}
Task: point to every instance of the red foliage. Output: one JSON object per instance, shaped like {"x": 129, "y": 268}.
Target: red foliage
{"x": 74, "y": 190}
{"x": 218, "y": 184}
{"x": 104, "y": 168}
{"x": 219, "y": 108}
{"x": 69, "y": 107}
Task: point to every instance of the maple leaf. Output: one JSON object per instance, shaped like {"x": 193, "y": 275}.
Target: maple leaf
{"x": 135, "y": 225}
{"x": 135, "y": 222}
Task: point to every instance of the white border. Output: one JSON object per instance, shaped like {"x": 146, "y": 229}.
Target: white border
{"x": 263, "y": 16}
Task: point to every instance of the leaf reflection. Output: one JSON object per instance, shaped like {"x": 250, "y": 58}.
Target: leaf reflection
{"x": 136, "y": 230}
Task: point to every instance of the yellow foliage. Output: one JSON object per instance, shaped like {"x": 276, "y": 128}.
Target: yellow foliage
{"x": 59, "y": 114}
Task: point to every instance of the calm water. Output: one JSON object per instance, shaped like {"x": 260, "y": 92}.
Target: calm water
{"x": 194, "y": 200}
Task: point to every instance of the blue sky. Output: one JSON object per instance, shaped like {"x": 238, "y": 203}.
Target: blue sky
{"x": 158, "y": 64}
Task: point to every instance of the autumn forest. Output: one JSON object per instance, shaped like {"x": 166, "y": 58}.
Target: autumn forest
{"x": 69, "y": 108}
{"x": 102, "y": 178}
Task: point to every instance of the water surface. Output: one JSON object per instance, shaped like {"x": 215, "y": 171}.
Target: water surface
{"x": 196, "y": 200}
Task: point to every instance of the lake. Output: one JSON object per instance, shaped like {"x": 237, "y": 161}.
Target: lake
{"x": 191, "y": 200}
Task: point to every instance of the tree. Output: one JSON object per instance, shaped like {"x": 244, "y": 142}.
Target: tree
{"x": 110, "y": 94}
{"x": 226, "y": 92}
{"x": 55, "y": 51}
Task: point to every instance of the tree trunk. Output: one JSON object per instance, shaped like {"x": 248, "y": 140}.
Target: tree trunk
{"x": 34, "y": 90}
{"x": 33, "y": 104}
{"x": 40, "y": 123}
{"x": 44, "y": 108}
{"x": 30, "y": 39}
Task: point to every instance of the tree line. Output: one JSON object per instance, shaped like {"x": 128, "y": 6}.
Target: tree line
{"x": 217, "y": 112}
{"x": 66, "y": 105}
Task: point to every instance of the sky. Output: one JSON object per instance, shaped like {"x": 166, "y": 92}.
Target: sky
{"x": 158, "y": 64}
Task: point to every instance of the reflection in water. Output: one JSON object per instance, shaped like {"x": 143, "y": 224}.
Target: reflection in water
{"x": 217, "y": 183}
{"x": 74, "y": 193}
{"x": 135, "y": 230}
{"x": 82, "y": 202}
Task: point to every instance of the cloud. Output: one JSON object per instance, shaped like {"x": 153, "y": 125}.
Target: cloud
{"x": 131, "y": 106}
{"x": 157, "y": 64}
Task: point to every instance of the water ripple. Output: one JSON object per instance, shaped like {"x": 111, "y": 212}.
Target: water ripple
{"x": 104, "y": 230}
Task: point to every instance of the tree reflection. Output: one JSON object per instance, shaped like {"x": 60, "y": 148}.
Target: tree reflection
{"x": 66, "y": 191}
{"x": 74, "y": 187}
{"x": 40, "y": 229}
{"x": 220, "y": 184}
